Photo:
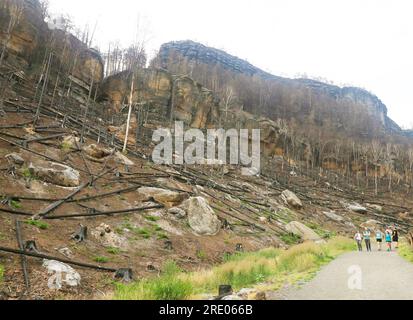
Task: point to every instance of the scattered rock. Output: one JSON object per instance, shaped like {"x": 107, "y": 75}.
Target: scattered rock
{"x": 57, "y": 174}
{"x": 357, "y": 208}
{"x": 375, "y": 207}
{"x": 166, "y": 197}
{"x": 301, "y": 230}
{"x": 15, "y": 159}
{"x": 97, "y": 152}
{"x": 70, "y": 142}
{"x": 291, "y": 199}
{"x": 122, "y": 159}
{"x": 108, "y": 238}
{"x": 61, "y": 273}
{"x": 177, "y": 212}
{"x": 232, "y": 298}
{"x": 333, "y": 216}
{"x": 66, "y": 252}
{"x": 371, "y": 224}
{"x": 246, "y": 294}
{"x": 201, "y": 217}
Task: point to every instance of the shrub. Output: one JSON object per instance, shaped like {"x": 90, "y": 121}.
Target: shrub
{"x": 38, "y": 224}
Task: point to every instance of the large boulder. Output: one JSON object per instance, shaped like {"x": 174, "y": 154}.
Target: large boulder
{"x": 201, "y": 217}
{"x": 291, "y": 199}
{"x": 304, "y": 232}
{"x": 166, "y": 197}
{"x": 333, "y": 216}
{"x": 357, "y": 208}
{"x": 55, "y": 173}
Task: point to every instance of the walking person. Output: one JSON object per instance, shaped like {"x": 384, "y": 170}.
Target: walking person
{"x": 359, "y": 238}
{"x": 366, "y": 236}
{"x": 379, "y": 239}
{"x": 395, "y": 238}
{"x": 388, "y": 240}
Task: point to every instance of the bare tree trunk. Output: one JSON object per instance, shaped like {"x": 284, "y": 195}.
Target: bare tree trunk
{"x": 129, "y": 114}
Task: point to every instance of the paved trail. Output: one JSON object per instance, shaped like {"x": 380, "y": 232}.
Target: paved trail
{"x": 385, "y": 276}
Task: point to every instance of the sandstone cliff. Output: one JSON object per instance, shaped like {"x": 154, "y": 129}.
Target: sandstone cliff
{"x": 163, "y": 92}
{"x": 221, "y": 65}
{"x": 27, "y": 41}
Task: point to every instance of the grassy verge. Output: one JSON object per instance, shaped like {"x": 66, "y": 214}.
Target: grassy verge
{"x": 267, "y": 269}
{"x": 405, "y": 251}
{"x": 1, "y": 274}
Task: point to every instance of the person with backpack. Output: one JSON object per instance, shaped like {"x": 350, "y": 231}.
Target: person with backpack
{"x": 366, "y": 236}
{"x": 379, "y": 239}
{"x": 359, "y": 238}
{"x": 395, "y": 237}
{"x": 388, "y": 240}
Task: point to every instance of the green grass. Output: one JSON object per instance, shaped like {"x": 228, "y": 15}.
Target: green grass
{"x": 38, "y": 224}
{"x": 269, "y": 268}
{"x": 152, "y": 218}
{"x": 405, "y": 251}
{"x": 290, "y": 239}
{"x": 166, "y": 287}
{"x": 113, "y": 250}
{"x": 15, "y": 204}
{"x": 101, "y": 259}
{"x": 1, "y": 274}
{"x": 324, "y": 234}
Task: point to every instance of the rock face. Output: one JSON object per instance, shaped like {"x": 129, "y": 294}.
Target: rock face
{"x": 29, "y": 33}
{"x": 161, "y": 91}
{"x": 357, "y": 208}
{"x": 196, "y": 53}
{"x": 201, "y": 217}
{"x": 291, "y": 199}
{"x": 27, "y": 42}
{"x": 303, "y": 231}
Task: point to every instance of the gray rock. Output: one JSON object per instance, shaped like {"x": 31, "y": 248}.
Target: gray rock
{"x": 57, "y": 174}
{"x": 166, "y": 197}
{"x": 201, "y": 217}
{"x": 15, "y": 159}
{"x": 291, "y": 199}
{"x": 177, "y": 212}
{"x": 357, "y": 208}
{"x": 301, "y": 230}
{"x": 333, "y": 216}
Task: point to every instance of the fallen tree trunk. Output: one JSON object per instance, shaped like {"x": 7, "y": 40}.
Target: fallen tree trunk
{"x": 43, "y": 256}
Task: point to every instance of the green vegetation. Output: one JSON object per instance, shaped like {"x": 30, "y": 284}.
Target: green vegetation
{"x": 290, "y": 239}
{"x": 324, "y": 234}
{"x": 26, "y": 173}
{"x": 16, "y": 204}
{"x": 65, "y": 146}
{"x": 166, "y": 287}
{"x": 405, "y": 251}
{"x": 113, "y": 250}
{"x": 201, "y": 254}
{"x": 273, "y": 266}
{"x": 101, "y": 259}
{"x": 36, "y": 223}
{"x": 152, "y": 218}
{"x": 1, "y": 274}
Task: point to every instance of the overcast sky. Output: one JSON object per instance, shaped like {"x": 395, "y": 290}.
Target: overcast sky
{"x": 367, "y": 43}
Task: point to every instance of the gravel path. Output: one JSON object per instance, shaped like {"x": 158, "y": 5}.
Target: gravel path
{"x": 384, "y": 276}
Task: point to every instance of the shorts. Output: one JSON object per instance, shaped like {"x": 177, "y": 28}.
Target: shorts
{"x": 395, "y": 239}
{"x": 379, "y": 240}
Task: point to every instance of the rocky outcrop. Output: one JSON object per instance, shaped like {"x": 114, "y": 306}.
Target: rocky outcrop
{"x": 198, "y": 52}
{"x": 163, "y": 92}
{"x": 28, "y": 39}
{"x": 29, "y": 33}
{"x": 192, "y": 52}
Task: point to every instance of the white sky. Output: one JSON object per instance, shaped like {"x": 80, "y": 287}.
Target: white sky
{"x": 367, "y": 43}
